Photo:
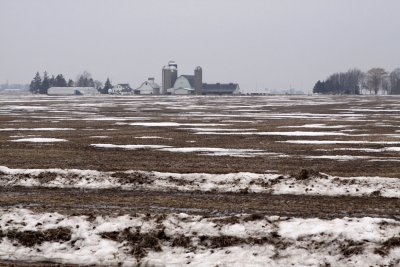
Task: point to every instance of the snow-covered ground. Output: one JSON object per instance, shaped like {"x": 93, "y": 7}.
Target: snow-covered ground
{"x": 312, "y": 184}
{"x": 193, "y": 240}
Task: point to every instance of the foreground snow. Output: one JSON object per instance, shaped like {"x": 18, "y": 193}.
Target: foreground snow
{"x": 311, "y": 184}
{"x": 181, "y": 239}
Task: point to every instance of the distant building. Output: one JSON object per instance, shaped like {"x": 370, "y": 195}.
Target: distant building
{"x": 193, "y": 84}
{"x": 184, "y": 85}
{"x": 221, "y": 89}
{"x": 72, "y": 91}
{"x": 149, "y": 87}
{"x": 121, "y": 89}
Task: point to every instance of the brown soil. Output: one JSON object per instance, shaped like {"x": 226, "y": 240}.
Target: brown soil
{"x": 31, "y": 238}
{"x": 96, "y": 202}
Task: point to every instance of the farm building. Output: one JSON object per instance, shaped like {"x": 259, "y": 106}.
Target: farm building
{"x": 149, "y": 87}
{"x": 72, "y": 91}
{"x": 221, "y": 89}
{"x": 184, "y": 85}
{"x": 193, "y": 84}
{"x": 121, "y": 89}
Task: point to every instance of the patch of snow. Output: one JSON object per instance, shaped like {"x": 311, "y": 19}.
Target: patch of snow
{"x": 218, "y": 129}
{"x": 40, "y": 140}
{"x": 173, "y": 124}
{"x": 152, "y": 137}
{"x": 36, "y": 129}
{"x": 128, "y": 147}
{"x": 295, "y": 133}
{"x": 213, "y": 151}
{"x": 334, "y": 142}
{"x": 338, "y": 157}
{"x": 316, "y": 126}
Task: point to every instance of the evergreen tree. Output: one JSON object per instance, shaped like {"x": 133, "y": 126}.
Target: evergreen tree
{"x": 45, "y": 84}
{"x": 106, "y": 87}
{"x": 36, "y": 84}
{"x": 395, "y": 81}
{"x": 91, "y": 83}
{"x": 52, "y": 81}
{"x": 70, "y": 83}
{"x": 60, "y": 81}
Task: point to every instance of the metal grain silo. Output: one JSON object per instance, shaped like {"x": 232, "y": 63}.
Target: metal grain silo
{"x": 166, "y": 79}
{"x": 169, "y": 76}
{"x": 198, "y": 80}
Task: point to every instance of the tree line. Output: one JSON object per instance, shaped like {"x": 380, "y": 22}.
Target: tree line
{"x": 355, "y": 82}
{"x": 40, "y": 85}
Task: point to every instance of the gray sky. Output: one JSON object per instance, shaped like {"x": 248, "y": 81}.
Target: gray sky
{"x": 257, "y": 43}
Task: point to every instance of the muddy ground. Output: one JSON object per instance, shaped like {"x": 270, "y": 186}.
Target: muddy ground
{"x": 119, "y": 202}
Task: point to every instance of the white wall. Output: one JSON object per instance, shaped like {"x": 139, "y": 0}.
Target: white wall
{"x": 181, "y": 91}
{"x": 147, "y": 89}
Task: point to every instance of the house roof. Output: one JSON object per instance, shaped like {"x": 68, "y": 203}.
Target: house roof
{"x": 219, "y": 87}
{"x": 152, "y": 84}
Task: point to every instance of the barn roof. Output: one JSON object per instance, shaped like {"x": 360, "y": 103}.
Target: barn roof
{"x": 190, "y": 78}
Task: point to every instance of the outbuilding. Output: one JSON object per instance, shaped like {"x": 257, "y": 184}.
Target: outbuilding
{"x": 72, "y": 91}
{"x": 221, "y": 89}
{"x": 148, "y": 87}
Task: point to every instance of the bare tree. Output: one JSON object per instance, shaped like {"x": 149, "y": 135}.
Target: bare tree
{"x": 375, "y": 80}
{"x": 84, "y": 80}
{"x": 97, "y": 84}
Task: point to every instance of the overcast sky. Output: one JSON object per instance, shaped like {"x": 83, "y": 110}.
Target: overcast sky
{"x": 257, "y": 43}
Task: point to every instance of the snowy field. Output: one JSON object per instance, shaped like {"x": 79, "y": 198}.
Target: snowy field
{"x": 181, "y": 239}
{"x": 153, "y": 180}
